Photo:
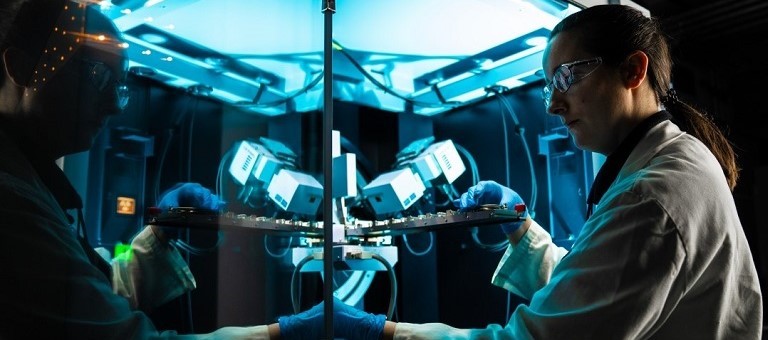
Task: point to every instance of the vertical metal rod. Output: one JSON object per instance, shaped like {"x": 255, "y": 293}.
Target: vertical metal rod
{"x": 329, "y": 8}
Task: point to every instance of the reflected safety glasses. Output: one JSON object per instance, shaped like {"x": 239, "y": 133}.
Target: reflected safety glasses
{"x": 101, "y": 76}
{"x": 565, "y": 76}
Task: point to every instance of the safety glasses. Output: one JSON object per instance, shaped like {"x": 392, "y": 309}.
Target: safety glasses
{"x": 102, "y": 76}
{"x": 566, "y": 75}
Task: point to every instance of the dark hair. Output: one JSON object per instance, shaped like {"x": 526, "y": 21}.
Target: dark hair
{"x": 29, "y": 24}
{"x": 615, "y": 31}
{"x": 8, "y": 11}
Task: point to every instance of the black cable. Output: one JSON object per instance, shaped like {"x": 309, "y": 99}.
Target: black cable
{"x": 490, "y": 247}
{"x": 495, "y": 90}
{"x": 471, "y": 160}
{"x": 200, "y": 251}
{"x": 161, "y": 163}
{"x": 225, "y": 159}
{"x": 295, "y": 285}
{"x": 182, "y": 112}
{"x": 392, "y": 284}
{"x": 420, "y": 253}
{"x": 276, "y": 255}
{"x": 521, "y": 132}
{"x": 390, "y": 271}
{"x": 385, "y": 88}
{"x": 499, "y": 91}
{"x": 509, "y": 305}
{"x": 438, "y": 93}
{"x": 474, "y": 231}
{"x": 299, "y": 92}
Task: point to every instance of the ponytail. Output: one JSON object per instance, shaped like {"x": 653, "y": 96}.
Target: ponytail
{"x": 613, "y": 32}
{"x": 703, "y": 128}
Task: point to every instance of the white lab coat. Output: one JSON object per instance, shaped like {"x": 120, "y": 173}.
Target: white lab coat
{"x": 50, "y": 289}
{"x": 663, "y": 256}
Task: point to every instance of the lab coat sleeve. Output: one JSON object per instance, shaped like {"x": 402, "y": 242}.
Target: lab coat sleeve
{"x": 524, "y": 269}
{"x": 151, "y": 273}
{"x": 50, "y": 288}
{"x": 527, "y": 266}
{"x": 233, "y": 333}
{"x": 621, "y": 280}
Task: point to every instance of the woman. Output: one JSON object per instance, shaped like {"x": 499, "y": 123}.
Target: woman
{"x": 662, "y": 254}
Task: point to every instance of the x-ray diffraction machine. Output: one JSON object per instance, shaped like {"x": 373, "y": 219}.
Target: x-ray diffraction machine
{"x": 338, "y": 134}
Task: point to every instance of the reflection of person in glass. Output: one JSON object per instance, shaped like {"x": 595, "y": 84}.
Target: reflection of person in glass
{"x": 63, "y": 70}
{"x": 663, "y": 254}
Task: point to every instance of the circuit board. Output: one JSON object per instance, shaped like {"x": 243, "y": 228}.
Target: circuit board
{"x": 182, "y": 217}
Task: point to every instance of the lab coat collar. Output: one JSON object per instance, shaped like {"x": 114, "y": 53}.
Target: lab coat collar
{"x": 613, "y": 163}
{"x": 49, "y": 173}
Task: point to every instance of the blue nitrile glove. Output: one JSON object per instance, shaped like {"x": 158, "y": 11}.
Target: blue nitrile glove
{"x": 305, "y": 325}
{"x": 189, "y": 195}
{"x": 490, "y": 192}
{"x": 352, "y": 323}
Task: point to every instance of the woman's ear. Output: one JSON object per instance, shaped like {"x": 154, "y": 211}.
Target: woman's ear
{"x": 18, "y": 66}
{"x": 635, "y": 69}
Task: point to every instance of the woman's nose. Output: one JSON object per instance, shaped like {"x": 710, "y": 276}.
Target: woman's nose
{"x": 556, "y": 106}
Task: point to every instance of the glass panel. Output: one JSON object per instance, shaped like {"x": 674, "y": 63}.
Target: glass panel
{"x": 229, "y": 95}
{"x": 226, "y": 95}
{"x": 420, "y": 89}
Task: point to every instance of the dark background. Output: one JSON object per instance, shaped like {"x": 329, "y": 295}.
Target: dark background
{"x": 720, "y": 68}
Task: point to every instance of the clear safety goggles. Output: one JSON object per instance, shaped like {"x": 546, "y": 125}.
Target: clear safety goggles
{"x": 566, "y": 75}
{"x": 69, "y": 35}
{"x": 102, "y": 77}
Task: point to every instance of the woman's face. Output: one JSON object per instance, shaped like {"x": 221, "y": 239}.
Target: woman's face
{"x": 592, "y": 107}
{"x": 75, "y": 103}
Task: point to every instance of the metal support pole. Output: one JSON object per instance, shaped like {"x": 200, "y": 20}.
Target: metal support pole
{"x": 329, "y": 8}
